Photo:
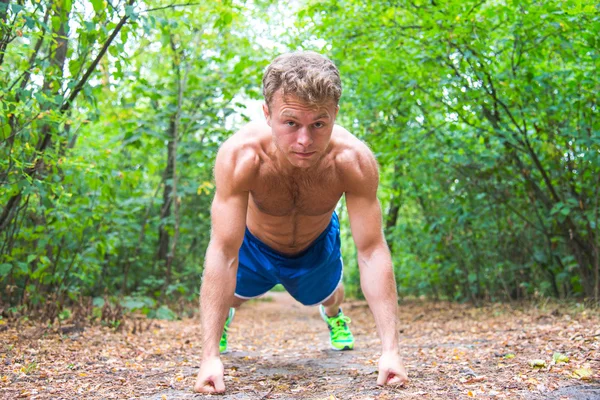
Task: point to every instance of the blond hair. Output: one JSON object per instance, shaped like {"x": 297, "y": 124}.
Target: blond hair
{"x": 310, "y": 76}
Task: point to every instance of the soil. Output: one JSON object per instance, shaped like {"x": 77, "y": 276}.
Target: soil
{"x": 279, "y": 350}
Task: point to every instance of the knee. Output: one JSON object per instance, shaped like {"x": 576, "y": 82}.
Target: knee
{"x": 237, "y": 302}
{"x": 336, "y": 298}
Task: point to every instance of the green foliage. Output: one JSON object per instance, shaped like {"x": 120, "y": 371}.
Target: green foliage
{"x": 483, "y": 117}
{"x": 87, "y": 184}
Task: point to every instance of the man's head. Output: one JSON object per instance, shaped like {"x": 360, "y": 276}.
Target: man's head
{"x": 302, "y": 91}
{"x": 309, "y": 76}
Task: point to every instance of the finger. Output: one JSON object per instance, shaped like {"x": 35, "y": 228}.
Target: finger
{"x": 204, "y": 386}
{"x": 382, "y": 377}
{"x": 219, "y": 384}
{"x": 394, "y": 379}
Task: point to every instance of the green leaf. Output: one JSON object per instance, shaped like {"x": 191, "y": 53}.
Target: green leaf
{"x": 39, "y": 271}
{"x": 98, "y": 6}
{"x": 15, "y": 8}
{"x": 537, "y": 364}
{"x": 23, "y": 267}
{"x": 5, "y": 269}
{"x": 560, "y": 358}
{"x": 165, "y": 313}
{"x": 582, "y": 373}
{"x": 132, "y": 304}
{"x": 130, "y": 12}
{"x": 98, "y": 302}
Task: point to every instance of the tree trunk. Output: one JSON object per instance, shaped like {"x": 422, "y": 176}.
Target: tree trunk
{"x": 165, "y": 211}
{"x": 170, "y": 194}
{"x": 394, "y": 209}
{"x": 6, "y": 30}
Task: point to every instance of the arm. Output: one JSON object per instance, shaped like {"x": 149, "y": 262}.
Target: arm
{"x": 375, "y": 264}
{"x": 228, "y": 219}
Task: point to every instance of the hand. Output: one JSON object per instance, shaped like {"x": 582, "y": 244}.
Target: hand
{"x": 391, "y": 370}
{"x": 210, "y": 377}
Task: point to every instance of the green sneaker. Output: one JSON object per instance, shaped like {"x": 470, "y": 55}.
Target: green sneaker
{"x": 223, "y": 342}
{"x": 339, "y": 333}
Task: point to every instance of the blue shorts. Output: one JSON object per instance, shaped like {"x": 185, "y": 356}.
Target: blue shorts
{"x": 310, "y": 277}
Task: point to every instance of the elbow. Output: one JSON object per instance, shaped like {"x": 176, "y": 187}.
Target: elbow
{"x": 226, "y": 248}
{"x": 373, "y": 251}
{"x": 221, "y": 257}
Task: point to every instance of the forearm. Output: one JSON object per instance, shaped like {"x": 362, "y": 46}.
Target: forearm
{"x": 218, "y": 287}
{"x": 379, "y": 287}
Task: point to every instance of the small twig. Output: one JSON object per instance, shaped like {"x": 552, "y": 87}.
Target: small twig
{"x": 266, "y": 396}
{"x": 170, "y": 6}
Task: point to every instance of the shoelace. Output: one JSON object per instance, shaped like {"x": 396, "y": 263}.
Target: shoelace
{"x": 339, "y": 325}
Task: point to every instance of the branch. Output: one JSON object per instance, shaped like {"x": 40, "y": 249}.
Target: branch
{"x": 94, "y": 64}
{"x": 474, "y": 7}
{"x": 170, "y": 6}
{"x": 34, "y": 55}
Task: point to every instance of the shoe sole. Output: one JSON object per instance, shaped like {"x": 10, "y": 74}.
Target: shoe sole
{"x": 345, "y": 348}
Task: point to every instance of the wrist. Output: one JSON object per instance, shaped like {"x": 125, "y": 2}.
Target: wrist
{"x": 211, "y": 352}
{"x": 211, "y": 357}
{"x": 390, "y": 346}
{"x": 390, "y": 350}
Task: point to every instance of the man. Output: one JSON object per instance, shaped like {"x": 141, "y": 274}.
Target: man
{"x": 273, "y": 219}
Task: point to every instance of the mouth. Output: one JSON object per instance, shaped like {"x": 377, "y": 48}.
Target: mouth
{"x": 304, "y": 155}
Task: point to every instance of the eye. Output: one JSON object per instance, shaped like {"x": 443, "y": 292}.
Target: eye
{"x": 290, "y": 123}
{"x": 319, "y": 124}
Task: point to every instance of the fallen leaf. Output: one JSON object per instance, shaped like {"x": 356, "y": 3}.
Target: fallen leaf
{"x": 537, "y": 364}
{"x": 560, "y": 358}
{"x": 582, "y": 373}
{"x": 475, "y": 379}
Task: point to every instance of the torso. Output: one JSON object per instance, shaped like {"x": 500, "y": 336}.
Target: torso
{"x": 288, "y": 212}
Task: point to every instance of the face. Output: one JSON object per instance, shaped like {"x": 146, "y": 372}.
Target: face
{"x": 301, "y": 132}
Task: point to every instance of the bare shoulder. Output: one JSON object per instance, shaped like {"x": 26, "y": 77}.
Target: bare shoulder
{"x": 239, "y": 157}
{"x": 355, "y": 162}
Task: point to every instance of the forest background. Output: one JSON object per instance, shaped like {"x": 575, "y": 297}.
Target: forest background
{"x": 483, "y": 116}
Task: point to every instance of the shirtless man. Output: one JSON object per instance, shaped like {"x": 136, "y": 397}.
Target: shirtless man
{"x": 273, "y": 219}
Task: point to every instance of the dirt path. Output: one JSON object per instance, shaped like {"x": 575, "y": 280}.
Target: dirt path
{"x": 280, "y": 351}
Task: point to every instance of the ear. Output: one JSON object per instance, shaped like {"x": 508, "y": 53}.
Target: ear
{"x": 266, "y": 112}
{"x": 337, "y": 109}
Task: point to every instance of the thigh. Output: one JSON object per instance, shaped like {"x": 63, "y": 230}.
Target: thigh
{"x": 256, "y": 274}
{"x": 315, "y": 283}
{"x": 315, "y": 276}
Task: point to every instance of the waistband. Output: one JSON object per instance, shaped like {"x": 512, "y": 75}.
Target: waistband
{"x": 269, "y": 250}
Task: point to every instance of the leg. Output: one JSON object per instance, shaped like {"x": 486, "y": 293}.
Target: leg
{"x": 340, "y": 335}
{"x": 236, "y": 302}
{"x": 332, "y": 304}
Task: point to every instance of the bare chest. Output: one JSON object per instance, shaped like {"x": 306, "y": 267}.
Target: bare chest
{"x": 301, "y": 195}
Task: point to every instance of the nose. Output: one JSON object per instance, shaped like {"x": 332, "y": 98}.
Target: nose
{"x": 304, "y": 137}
